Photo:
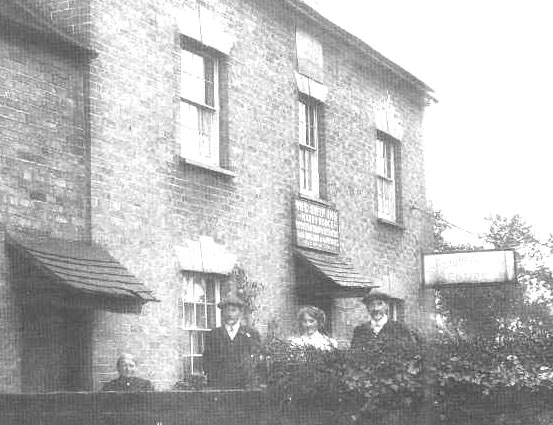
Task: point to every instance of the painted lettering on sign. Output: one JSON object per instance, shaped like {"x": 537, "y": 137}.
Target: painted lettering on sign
{"x": 316, "y": 226}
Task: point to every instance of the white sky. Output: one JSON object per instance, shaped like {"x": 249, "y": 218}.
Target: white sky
{"x": 489, "y": 139}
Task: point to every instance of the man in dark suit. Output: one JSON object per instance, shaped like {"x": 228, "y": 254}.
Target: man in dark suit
{"x": 380, "y": 331}
{"x": 387, "y": 349}
{"x": 127, "y": 381}
{"x": 229, "y": 349}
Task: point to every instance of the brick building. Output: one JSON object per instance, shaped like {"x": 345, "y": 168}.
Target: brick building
{"x": 147, "y": 147}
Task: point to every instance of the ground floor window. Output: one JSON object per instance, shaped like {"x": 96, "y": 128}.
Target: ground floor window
{"x": 198, "y": 315}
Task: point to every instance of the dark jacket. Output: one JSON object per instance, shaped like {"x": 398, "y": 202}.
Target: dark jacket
{"x": 128, "y": 384}
{"x": 228, "y": 363}
{"x": 392, "y": 334}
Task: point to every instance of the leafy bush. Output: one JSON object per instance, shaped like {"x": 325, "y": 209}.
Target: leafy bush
{"x": 355, "y": 385}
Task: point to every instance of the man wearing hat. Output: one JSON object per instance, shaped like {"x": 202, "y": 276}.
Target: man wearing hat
{"x": 380, "y": 329}
{"x": 228, "y": 349}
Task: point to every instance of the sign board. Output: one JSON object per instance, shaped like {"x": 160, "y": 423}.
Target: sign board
{"x": 316, "y": 226}
{"x": 493, "y": 266}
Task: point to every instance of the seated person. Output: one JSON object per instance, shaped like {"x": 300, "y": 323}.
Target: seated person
{"x": 127, "y": 381}
{"x": 312, "y": 322}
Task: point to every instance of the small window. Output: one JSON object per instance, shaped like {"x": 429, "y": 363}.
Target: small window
{"x": 387, "y": 179}
{"x": 199, "y": 108}
{"x": 199, "y": 314}
{"x": 309, "y": 148}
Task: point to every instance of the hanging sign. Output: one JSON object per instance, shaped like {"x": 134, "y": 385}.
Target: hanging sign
{"x": 491, "y": 266}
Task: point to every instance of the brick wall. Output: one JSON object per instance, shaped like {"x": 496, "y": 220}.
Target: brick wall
{"x": 42, "y": 167}
{"x": 144, "y": 200}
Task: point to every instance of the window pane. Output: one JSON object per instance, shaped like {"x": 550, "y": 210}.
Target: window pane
{"x": 302, "y": 123}
{"x": 199, "y": 291}
{"x": 380, "y": 162}
{"x": 192, "y": 77}
{"x": 198, "y": 366}
{"x": 201, "y": 319}
{"x": 386, "y": 199}
{"x": 309, "y": 170}
{"x": 189, "y": 117}
{"x": 197, "y": 342}
{"x": 210, "y": 290}
{"x": 209, "y": 82}
{"x": 206, "y": 133}
{"x": 211, "y": 316}
{"x": 312, "y": 130}
{"x": 189, "y": 315}
{"x": 187, "y": 366}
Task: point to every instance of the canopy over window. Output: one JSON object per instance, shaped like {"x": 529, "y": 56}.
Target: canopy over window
{"x": 76, "y": 274}
{"x": 330, "y": 275}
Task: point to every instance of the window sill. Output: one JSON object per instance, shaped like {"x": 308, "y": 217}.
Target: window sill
{"x": 390, "y": 223}
{"x": 208, "y": 167}
{"x": 317, "y": 200}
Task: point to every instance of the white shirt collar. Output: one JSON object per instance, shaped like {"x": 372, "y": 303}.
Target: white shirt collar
{"x": 377, "y": 325}
{"x": 232, "y": 330}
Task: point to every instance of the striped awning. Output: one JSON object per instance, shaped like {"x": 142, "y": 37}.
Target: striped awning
{"x": 81, "y": 269}
{"x": 345, "y": 279}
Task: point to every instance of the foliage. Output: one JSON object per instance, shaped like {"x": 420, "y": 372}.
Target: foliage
{"x": 491, "y": 311}
{"x": 355, "y": 385}
{"x": 246, "y": 289}
{"x": 499, "y": 348}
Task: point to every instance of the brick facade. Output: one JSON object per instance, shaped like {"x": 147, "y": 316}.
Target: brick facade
{"x": 143, "y": 200}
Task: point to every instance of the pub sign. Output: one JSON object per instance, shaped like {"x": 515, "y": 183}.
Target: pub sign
{"x": 316, "y": 226}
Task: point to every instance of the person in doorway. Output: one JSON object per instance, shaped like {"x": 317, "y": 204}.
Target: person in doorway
{"x": 229, "y": 349}
{"x": 127, "y": 381}
{"x": 312, "y": 321}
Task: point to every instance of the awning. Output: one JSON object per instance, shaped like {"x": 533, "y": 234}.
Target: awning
{"x": 334, "y": 275}
{"x": 17, "y": 16}
{"x": 79, "y": 273}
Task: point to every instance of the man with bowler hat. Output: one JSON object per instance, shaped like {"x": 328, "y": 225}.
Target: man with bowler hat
{"x": 380, "y": 329}
{"x": 228, "y": 349}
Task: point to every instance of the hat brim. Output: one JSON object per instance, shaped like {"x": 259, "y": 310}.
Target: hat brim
{"x": 223, "y": 304}
{"x": 376, "y": 296}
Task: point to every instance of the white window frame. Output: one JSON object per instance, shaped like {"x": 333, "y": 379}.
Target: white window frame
{"x": 309, "y": 147}
{"x": 193, "y": 143}
{"x": 194, "y": 329}
{"x": 387, "y": 178}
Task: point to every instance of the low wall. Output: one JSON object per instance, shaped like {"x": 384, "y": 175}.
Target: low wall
{"x": 232, "y": 407}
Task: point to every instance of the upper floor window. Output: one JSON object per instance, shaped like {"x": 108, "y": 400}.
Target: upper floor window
{"x": 199, "y": 106}
{"x": 387, "y": 179}
{"x": 198, "y": 314}
{"x": 309, "y": 115}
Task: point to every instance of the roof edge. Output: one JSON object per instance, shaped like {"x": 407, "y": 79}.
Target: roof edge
{"x": 34, "y": 23}
{"x": 312, "y": 14}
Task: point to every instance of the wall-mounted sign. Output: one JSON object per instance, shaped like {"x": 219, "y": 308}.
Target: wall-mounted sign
{"x": 316, "y": 226}
{"x": 493, "y": 266}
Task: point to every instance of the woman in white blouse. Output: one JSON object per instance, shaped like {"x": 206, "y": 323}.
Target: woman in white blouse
{"x": 312, "y": 324}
